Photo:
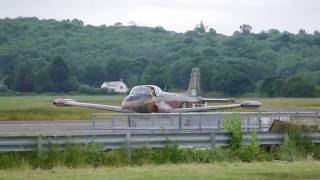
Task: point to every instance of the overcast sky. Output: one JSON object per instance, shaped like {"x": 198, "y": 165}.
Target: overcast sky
{"x": 179, "y": 15}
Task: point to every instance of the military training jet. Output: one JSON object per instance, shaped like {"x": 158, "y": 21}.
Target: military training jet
{"x": 151, "y": 99}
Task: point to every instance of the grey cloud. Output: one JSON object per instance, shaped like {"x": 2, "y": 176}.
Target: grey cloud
{"x": 179, "y": 15}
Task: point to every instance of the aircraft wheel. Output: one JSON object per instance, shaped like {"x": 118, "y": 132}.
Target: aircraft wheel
{"x": 155, "y": 109}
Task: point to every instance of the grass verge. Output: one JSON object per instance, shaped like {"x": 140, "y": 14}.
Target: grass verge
{"x": 256, "y": 170}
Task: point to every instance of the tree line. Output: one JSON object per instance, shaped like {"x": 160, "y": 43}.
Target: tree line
{"x": 63, "y": 56}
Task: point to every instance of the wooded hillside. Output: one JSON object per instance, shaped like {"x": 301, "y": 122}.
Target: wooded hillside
{"x": 61, "y": 56}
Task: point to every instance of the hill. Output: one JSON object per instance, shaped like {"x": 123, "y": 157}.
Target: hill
{"x": 61, "y": 56}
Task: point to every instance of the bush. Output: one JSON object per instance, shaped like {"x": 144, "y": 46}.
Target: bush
{"x": 233, "y": 126}
{"x": 170, "y": 153}
{"x": 222, "y": 154}
{"x": 143, "y": 155}
{"x": 253, "y": 152}
{"x": 74, "y": 156}
{"x": 9, "y": 160}
{"x": 94, "y": 154}
{"x": 115, "y": 158}
{"x": 296, "y": 146}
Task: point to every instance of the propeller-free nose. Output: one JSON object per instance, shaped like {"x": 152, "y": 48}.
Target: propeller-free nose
{"x": 250, "y": 104}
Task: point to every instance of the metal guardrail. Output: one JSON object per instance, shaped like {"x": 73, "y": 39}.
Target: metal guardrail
{"x": 251, "y": 121}
{"x": 129, "y": 141}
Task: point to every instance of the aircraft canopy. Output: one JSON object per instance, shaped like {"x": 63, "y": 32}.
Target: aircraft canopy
{"x": 146, "y": 89}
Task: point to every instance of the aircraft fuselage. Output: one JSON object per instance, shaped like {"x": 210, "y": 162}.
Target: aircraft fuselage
{"x": 144, "y": 103}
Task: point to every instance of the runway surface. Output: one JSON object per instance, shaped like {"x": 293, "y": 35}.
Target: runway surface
{"x": 151, "y": 122}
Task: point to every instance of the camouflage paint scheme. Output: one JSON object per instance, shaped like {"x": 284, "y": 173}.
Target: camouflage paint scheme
{"x": 160, "y": 103}
{"x": 151, "y": 99}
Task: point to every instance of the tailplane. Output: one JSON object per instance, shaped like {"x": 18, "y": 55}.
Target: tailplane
{"x": 194, "y": 89}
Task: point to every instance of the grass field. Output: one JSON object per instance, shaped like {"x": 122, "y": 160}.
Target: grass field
{"x": 264, "y": 170}
{"x": 39, "y": 107}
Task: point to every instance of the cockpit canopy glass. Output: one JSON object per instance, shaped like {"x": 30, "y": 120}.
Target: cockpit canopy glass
{"x": 149, "y": 90}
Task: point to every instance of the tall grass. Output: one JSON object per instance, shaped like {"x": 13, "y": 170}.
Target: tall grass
{"x": 91, "y": 155}
{"x": 295, "y": 147}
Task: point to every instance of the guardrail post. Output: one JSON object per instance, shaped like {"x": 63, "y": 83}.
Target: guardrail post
{"x": 218, "y": 126}
{"x": 93, "y": 122}
{"x": 129, "y": 121}
{"x": 129, "y": 148}
{"x": 213, "y": 140}
{"x": 316, "y": 115}
{"x": 180, "y": 121}
{"x": 259, "y": 122}
{"x": 200, "y": 123}
{"x": 286, "y": 138}
{"x": 39, "y": 145}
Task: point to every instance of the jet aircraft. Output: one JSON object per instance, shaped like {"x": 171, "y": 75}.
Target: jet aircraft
{"x": 151, "y": 99}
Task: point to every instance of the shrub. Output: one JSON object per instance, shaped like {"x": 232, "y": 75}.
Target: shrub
{"x": 253, "y": 151}
{"x": 296, "y": 146}
{"x": 115, "y": 158}
{"x": 233, "y": 126}
{"x": 74, "y": 156}
{"x": 94, "y": 154}
{"x": 9, "y": 160}
{"x": 221, "y": 154}
{"x": 170, "y": 153}
{"x": 143, "y": 155}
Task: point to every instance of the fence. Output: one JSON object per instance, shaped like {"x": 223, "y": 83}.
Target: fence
{"x": 194, "y": 122}
{"x": 129, "y": 140}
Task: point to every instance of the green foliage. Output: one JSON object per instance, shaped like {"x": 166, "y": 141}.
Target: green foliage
{"x": 94, "y": 155}
{"x": 86, "y": 89}
{"x": 253, "y": 151}
{"x": 295, "y": 86}
{"x": 58, "y": 56}
{"x": 143, "y": 155}
{"x": 298, "y": 87}
{"x": 233, "y": 126}
{"x": 74, "y": 156}
{"x": 10, "y": 160}
{"x": 297, "y": 146}
{"x": 170, "y": 153}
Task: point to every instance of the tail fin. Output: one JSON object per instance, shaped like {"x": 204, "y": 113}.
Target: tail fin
{"x": 194, "y": 85}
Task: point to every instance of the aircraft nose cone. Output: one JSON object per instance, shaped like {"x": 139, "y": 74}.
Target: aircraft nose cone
{"x": 137, "y": 102}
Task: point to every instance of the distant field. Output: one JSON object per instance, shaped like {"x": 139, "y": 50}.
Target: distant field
{"x": 304, "y": 103}
{"x": 40, "y": 107}
{"x": 265, "y": 170}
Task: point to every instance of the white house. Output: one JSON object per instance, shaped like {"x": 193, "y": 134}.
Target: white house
{"x": 116, "y": 86}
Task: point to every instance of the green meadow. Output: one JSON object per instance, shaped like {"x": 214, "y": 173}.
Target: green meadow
{"x": 240, "y": 170}
{"x": 40, "y": 107}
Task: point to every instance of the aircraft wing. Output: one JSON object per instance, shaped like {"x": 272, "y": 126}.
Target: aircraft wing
{"x": 216, "y": 99}
{"x": 71, "y": 102}
{"x": 244, "y": 104}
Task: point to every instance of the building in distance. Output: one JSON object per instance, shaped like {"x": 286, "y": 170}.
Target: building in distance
{"x": 115, "y": 86}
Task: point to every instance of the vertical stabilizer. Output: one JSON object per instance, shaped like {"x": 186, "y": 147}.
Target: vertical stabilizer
{"x": 194, "y": 85}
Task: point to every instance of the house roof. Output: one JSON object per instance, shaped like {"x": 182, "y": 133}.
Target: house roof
{"x": 113, "y": 83}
